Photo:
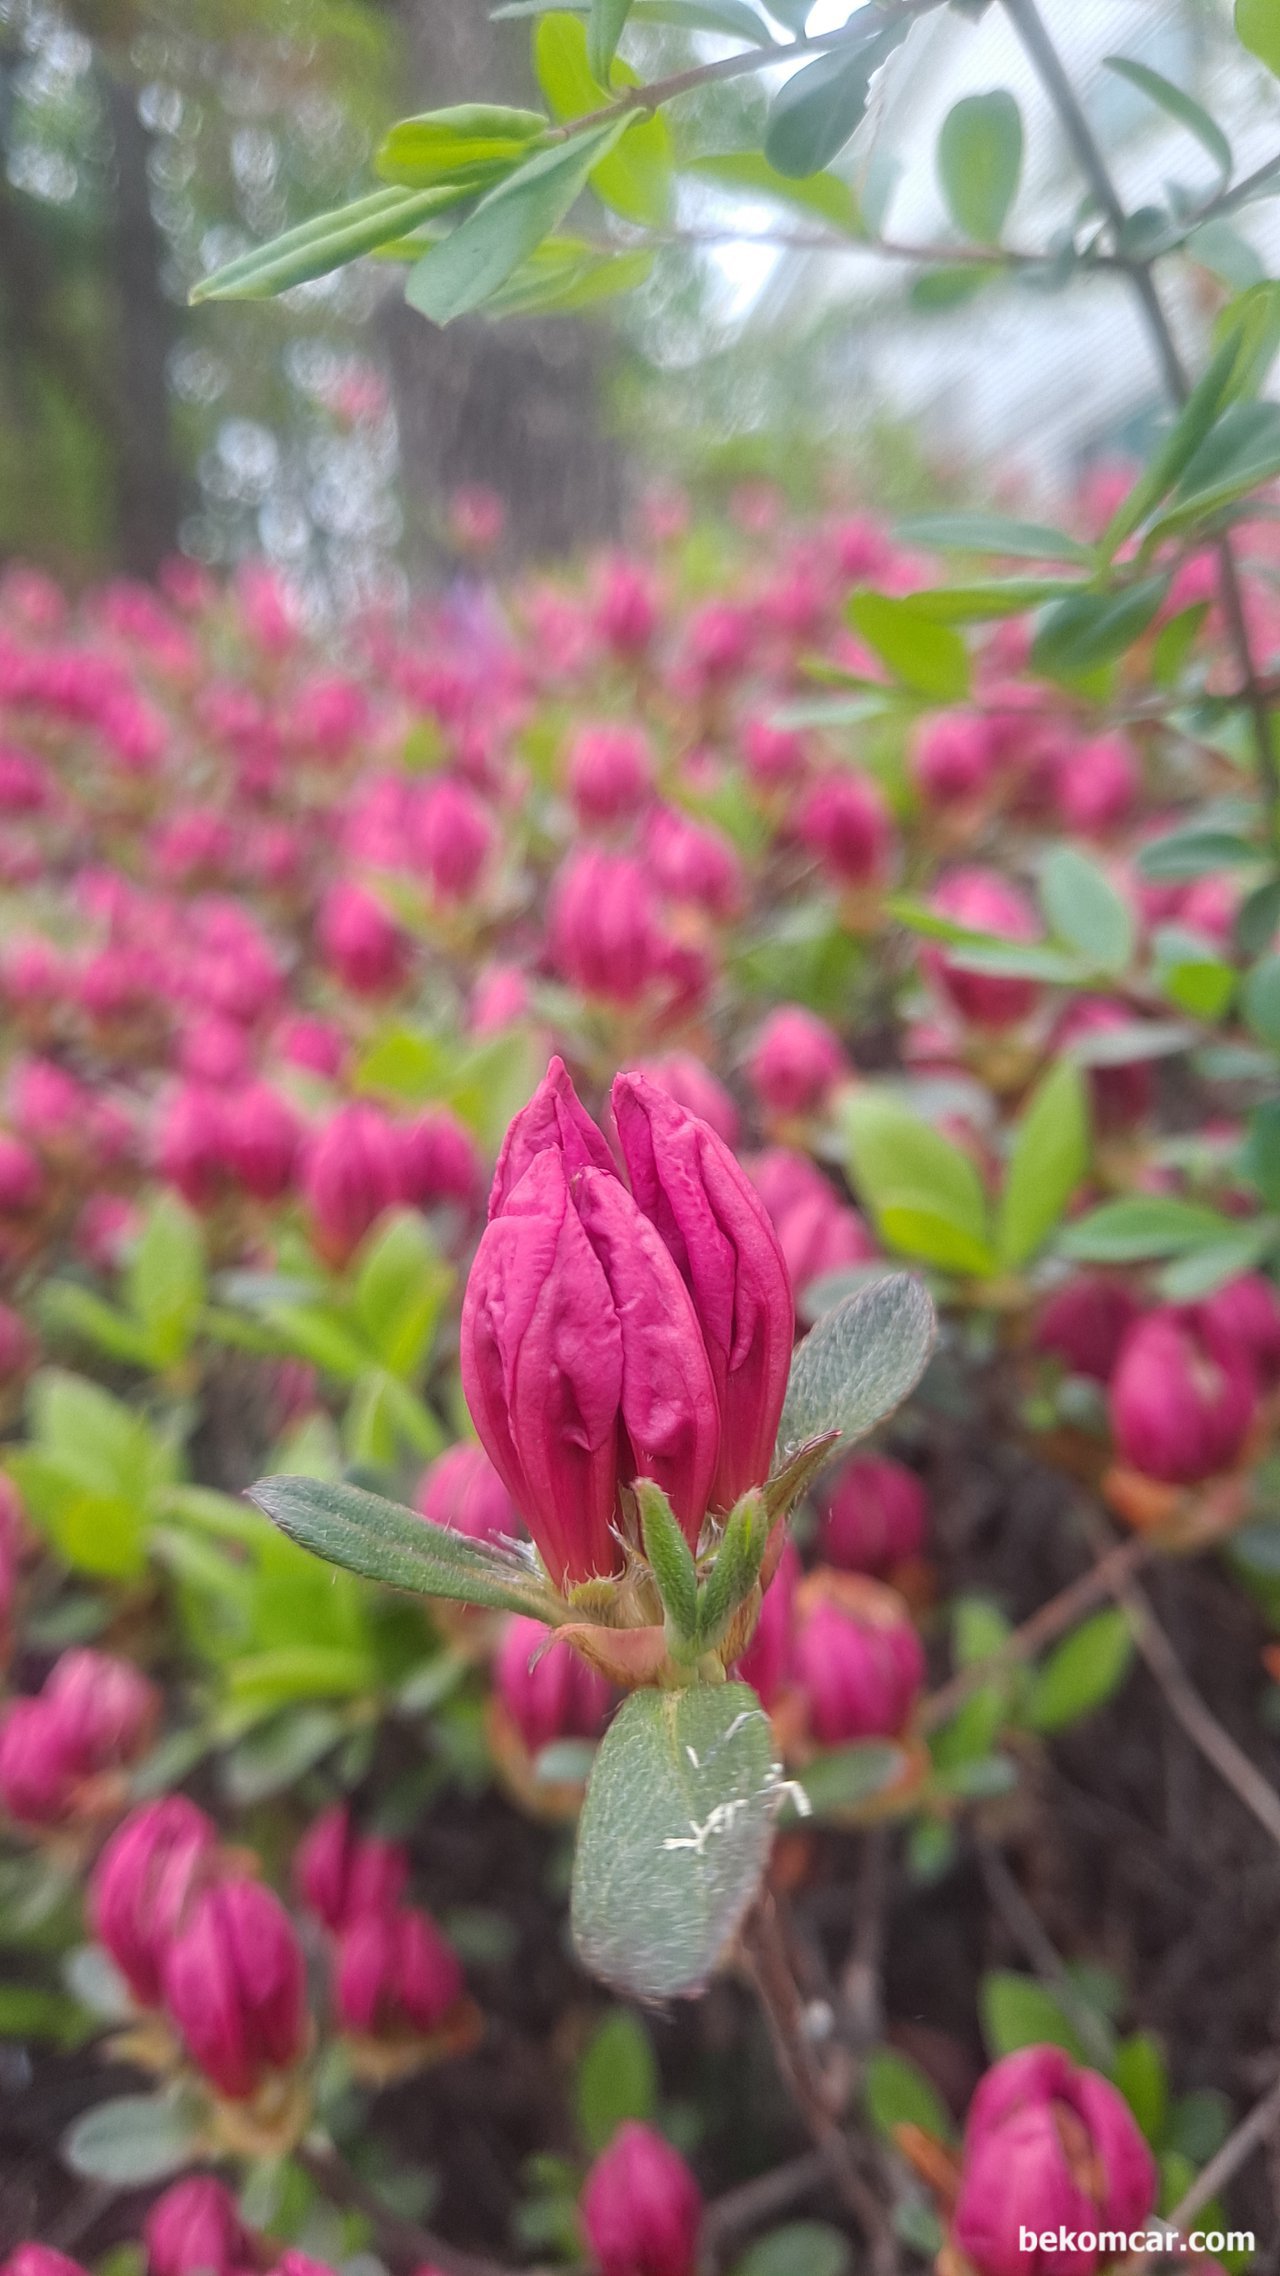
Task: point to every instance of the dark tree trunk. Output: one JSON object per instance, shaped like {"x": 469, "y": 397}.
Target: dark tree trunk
{"x": 513, "y": 406}
{"x": 149, "y": 490}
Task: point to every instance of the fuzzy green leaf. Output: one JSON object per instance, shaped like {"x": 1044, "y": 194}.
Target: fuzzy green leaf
{"x": 384, "y": 1542}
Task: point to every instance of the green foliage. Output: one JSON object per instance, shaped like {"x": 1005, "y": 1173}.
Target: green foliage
{"x": 616, "y": 2080}
{"x": 506, "y": 226}
{"x": 670, "y": 1559}
{"x": 1082, "y": 1672}
{"x": 929, "y": 658}
{"x": 367, "y": 1535}
{"x": 802, "y": 2248}
{"x": 673, "y": 1837}
{"x": 94, "y": 1475}
{"x": 980, "y": 163}
{"x": 1049, "y": 1158}
{"x": 1258, "y": 26}
{"x": 817, "y": 111}
{"x": 859, "y": 1363}
{"x": 1017, "y": 2011}
{"x": 897, "y": 2093}
{"x": 925, "y": 1194}
{"x": 132, "y": 2141}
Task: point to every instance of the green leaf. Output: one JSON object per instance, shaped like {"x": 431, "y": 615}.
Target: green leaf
{"x": 65, "y": 1306}
{"x": 673, "y": 1838}
{"x": 1202, "y": 1271}
{"x": 894, "y": 1155}
{"x": 563, "y": 274}
{"x": 1141, "y": 2074}
{"x": 273, "y": 1757}
{"x": 849, "y": 1776}
{"x": 1083, "y": 1671}
{"x": 934, "y": 291}
{"x": 1180, "y": 106}
{"x": 818, "y": 109}
{"x": 1005, "y": 596}
{"x": 912, "y": 1227}
{"x": 1149, "y": 1225}
{"x": 897, "y": 2093}
{"x": 1049, "y": 1159}
{"x": 1195, "y": 853}
{"x": 475, "y": 140}
{"x": 131, "y": 2141}
{"x": 980, "y": 163}
{"x": 461, "y": 272}
{"x": 1258, "y": 919}
{"x": 732, "y": 19}
{"x": 1192, "y": 973}
{"x": 927, "y": 657}
{"x": 1260, "y": 1001}
{"x": 1091, "y": 630}
{"x": 617, "y": 2079}
{"x": 800, "y": 2248}
{"x": 402, "y": 1283}
{"x": 670, "y": 1558}
{"x": 1085, "y": 909}
{"x": 994, "y": 534}
{"x": 165, "y": 1283}
{"x": 604, "y": 30}
{"x": 736, "y": 1569}
{"x": 1260, "y": 1157}
{"x": 1258, "y": 29}
{"x": 822, "y": 194}
{"x": 1017, "y": 2012}
{"x": 29, "y": 2011}
{"x": 634, "y": 178}
{"x": 377, "y": 1538}
{"x": 1239, "y": 454}
{"x": 859, "y": 1363}
{"x": 328, "y": 242}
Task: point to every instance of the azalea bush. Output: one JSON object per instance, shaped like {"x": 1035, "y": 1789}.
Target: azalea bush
{"x": 640, "y": 1348}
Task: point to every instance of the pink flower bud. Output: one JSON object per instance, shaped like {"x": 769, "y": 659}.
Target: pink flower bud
{"x": 234, "y": 1985}
{"x": 264, "y": 1139}
{"x": 395, "y": 1976}
{"x": 877, "y": 1516}
{"x": 1183, "y": 1396}
{"x": 360, "y": 943}
{"x": 766, "y": 1662}
{"x": 193, "y": 1144}
{"x": 605, "y": 933}
{"x": 39, "y": 2260}
{"x": 214, "y": 1052}
{"x": 610, "y": 773}
{"x": 817, "y": 1232}
{"x": 1122, "y": 1093}
{"x": 453, "y": 835}
{"x": 955, "y": 758}
{"x": 626, "y": 609}
{"x": 845, "y": 825}
{"x": 461, "y": 1489}
{"x": 340, "y": 1875}
{"x": 1048, "y": 2146}
{"x": 796, "y": 1061}
{"x": 143, "y": 1885}
{"x": 858, "y": 1660}
{"x": 546, "y": 1689}
{"x": 583, "y": 1365}
{"x": 641, "y": 2207}
{"x": 983, "y": 901}
{"x": 776, "y": 757}
{"x": 693, "y": 1086}
{"x": 554, "y": 1118}
{"x": 439, "y": 1162}
{"x": 105, "y": 1709}
{"x": 194, "y": 2229}
{"x": 1085, "y": 1323}
{"x": 1096, "y": 784}
{"x": 694, "y": 864}
{"x": 37, "y": 1777}
{"x": 314, "y": 1044}
{"x": 1248, "y": 1309}
{"x": 352, "y": 1173}
{"x": 499, "y": 1000}
{"x": 717, "y": 1229}
{"x": 21, "y": 1177}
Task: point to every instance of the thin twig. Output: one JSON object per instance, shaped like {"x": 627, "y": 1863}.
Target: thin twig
{"x": 769, "y": 1966}
{"x": 740, "y": 2210}
{"x": 1052, "y": 1618}
{"x": 1249, "y": 2135}
{"x": 1040, "y": 1949}
{"x": 403, "y": 2243}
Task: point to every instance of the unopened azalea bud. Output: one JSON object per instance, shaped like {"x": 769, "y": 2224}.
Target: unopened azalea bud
{"x": 641, "y": 2207}
{"x": 605, "y": 934}
{"x": 876, "y": 1516}
{"x": 340, "y": 1874}
{"x": 858, "y": 1660}
{"x": 1084, "y": 1323}
{"x": 1249, "y": 1310}
{"x": 1183, "y": 1396}
{"x": 234, "y": 1985}
{"x": 955, "y": 758}
{"x": 796, "y": 1062}
{"x": 766, "y": 1662}
{"x": 817, "y": 1232}
{"x": 37, "y": 1777}
{"x": 547, "y": 1690}
{"x": 583, "y": 1364}
{"x": 844, "y": 822}
{"x": 499, "y": 1000}
{"x": 143, "y": 1885}
{"x": 21, "y": 1177}
{"x": 352, "y": 1173}
{"x": 395, "y": 1976}
{"x": 453, "y": 835}
{"x": 776, "y": 757}
{"x": 192, "y": 1144}
{"x": 694, "y": 864}
{"x": 1122, "y": 1091}
{"x": 982, "y": 901}
{"x": 693, "y": 1086}
{"x": 1048, "y": 2145}
{"x": 461, "y": 1489}
{"x": 1096, "y": 784}
{"x": 105, "y": 1708}
{"x": 360, "y": 942}
{"x": 610, "y": 773}
{"x": 439, "y": 1162}
{"x": 264, "y": 1138}
{"x": 194, "y": 2229}
{"x": 718, "y": 1232}
{"x": 39, "y": 2260}
{"x": 554, "y": 1118}
{"x": 626, "y": 609}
